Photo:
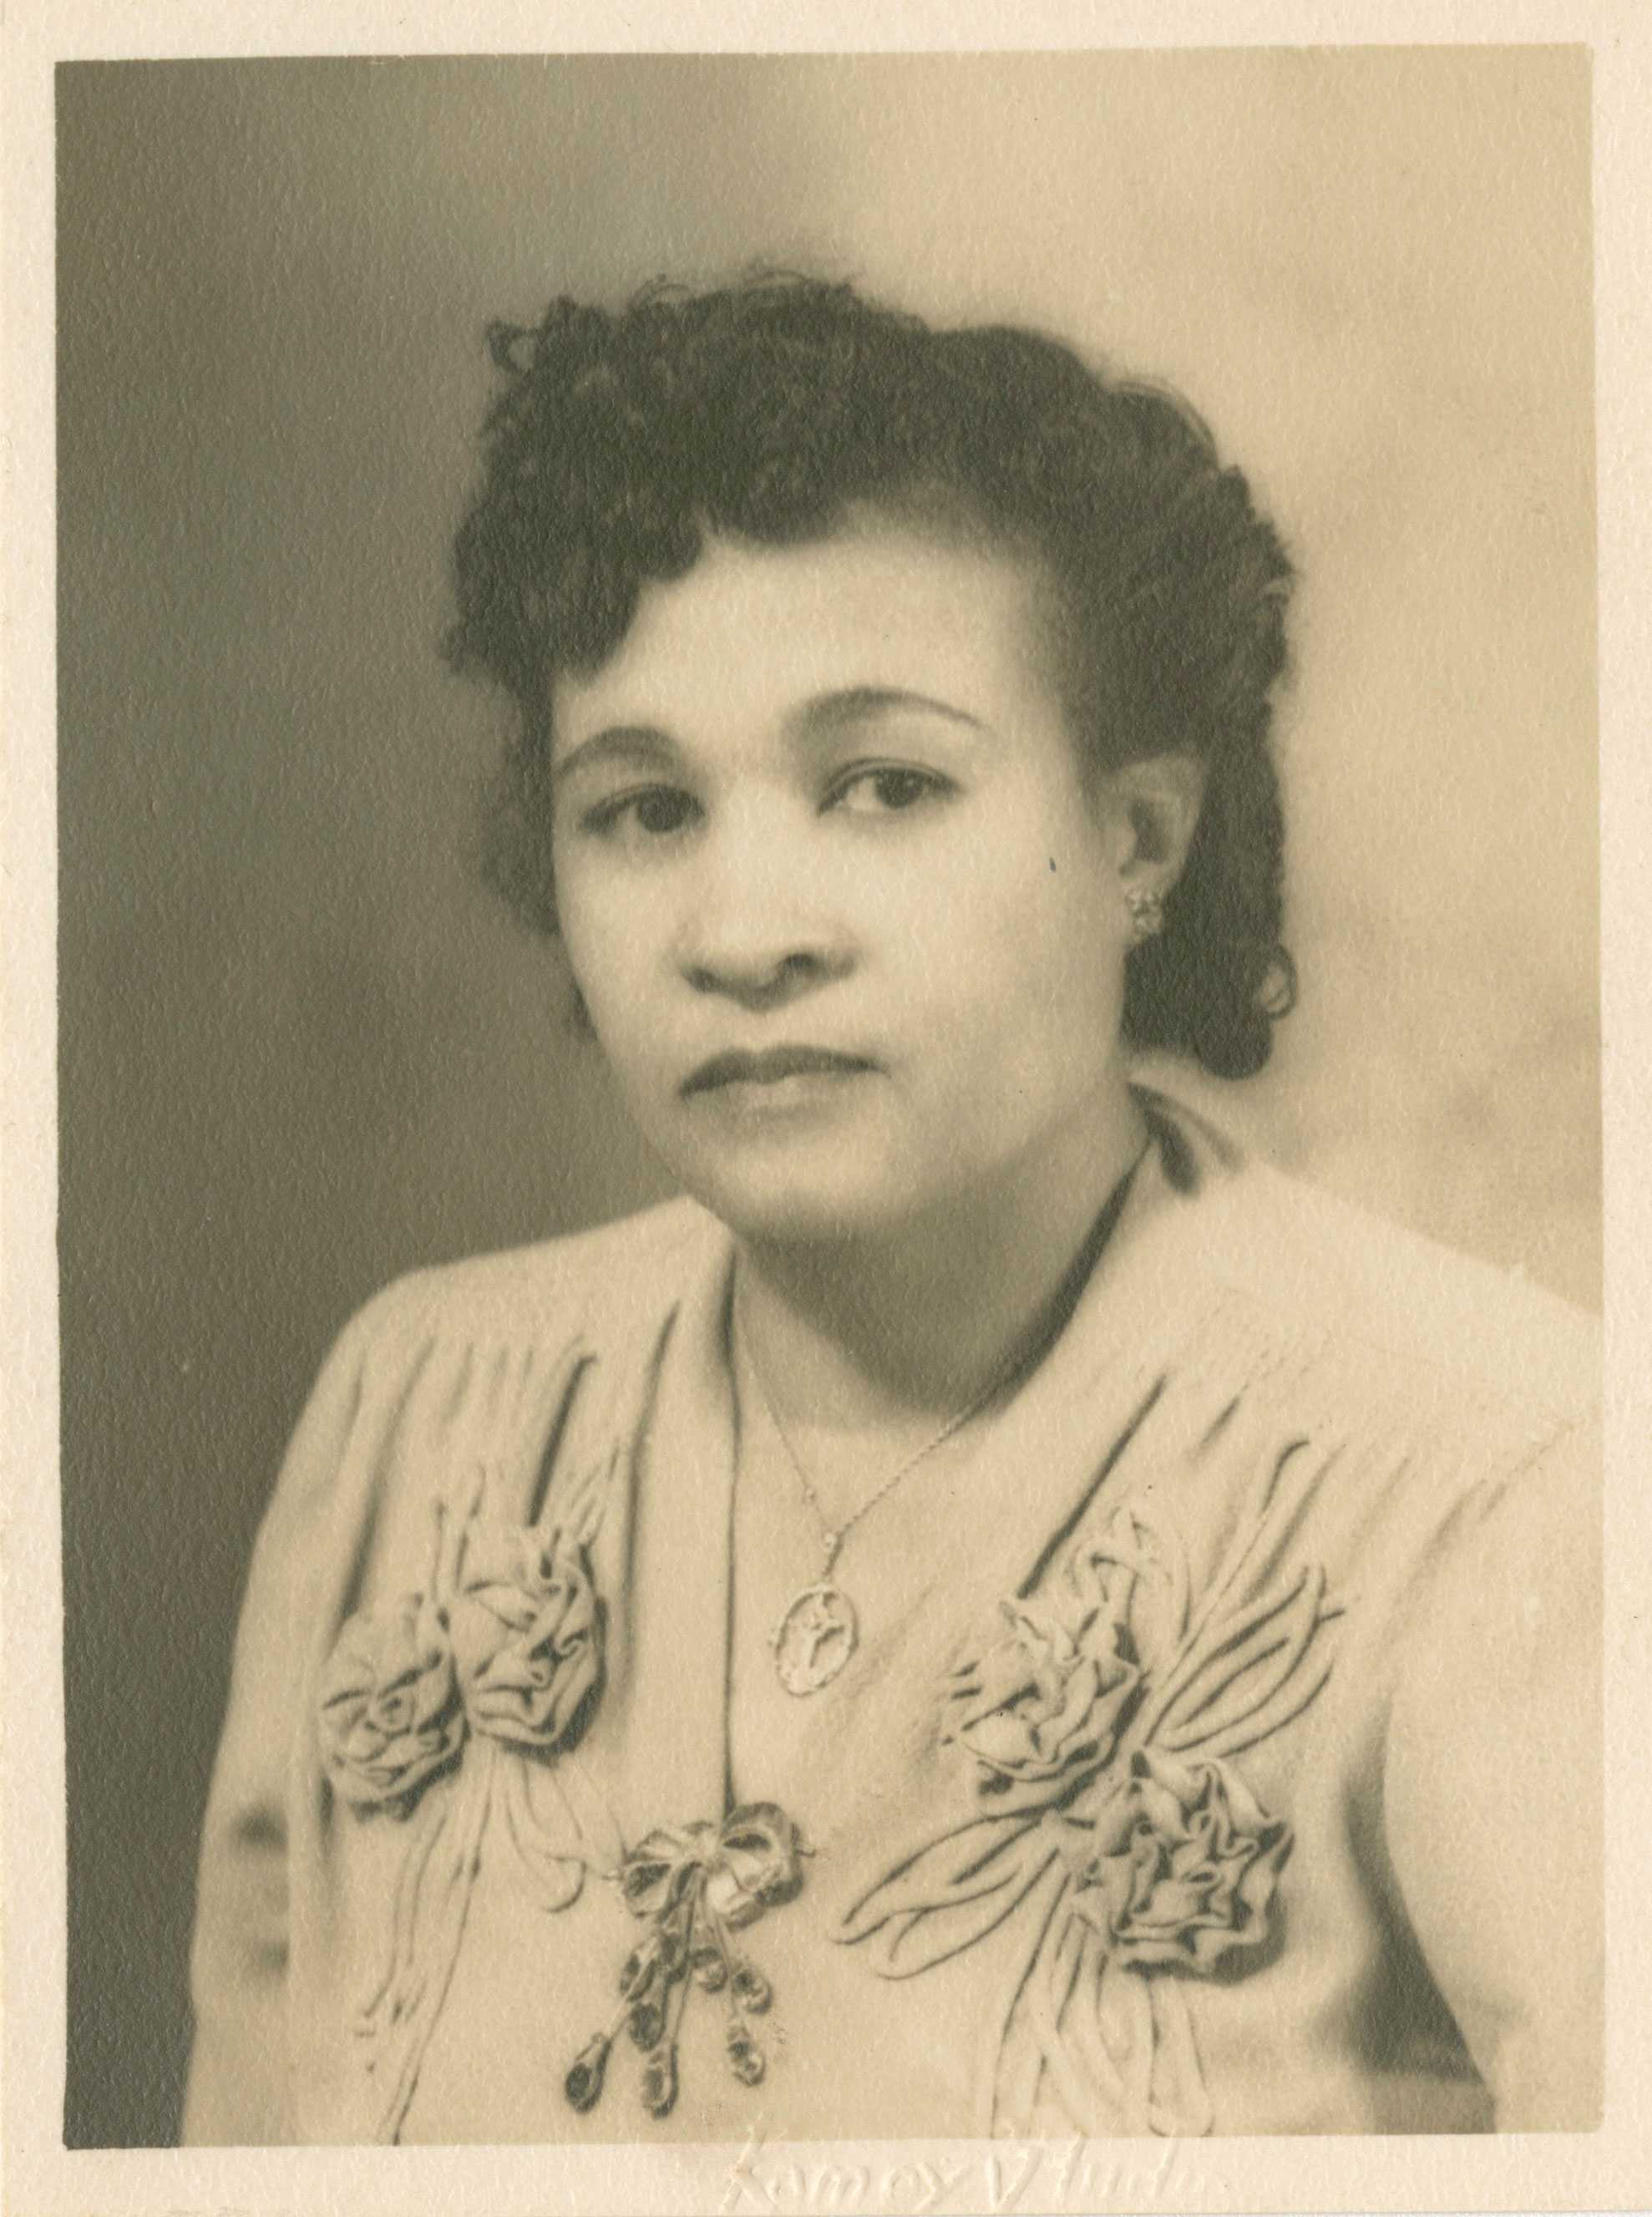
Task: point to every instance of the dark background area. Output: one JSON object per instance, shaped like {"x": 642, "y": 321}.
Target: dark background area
{"x": 299, "y": 1051}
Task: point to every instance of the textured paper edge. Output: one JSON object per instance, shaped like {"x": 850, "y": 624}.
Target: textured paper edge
{"x": 1608, "y": 2169}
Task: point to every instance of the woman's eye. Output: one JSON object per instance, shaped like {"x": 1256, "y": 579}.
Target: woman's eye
{"x": 887, "y": 790}
{"x": 653, "y": 813}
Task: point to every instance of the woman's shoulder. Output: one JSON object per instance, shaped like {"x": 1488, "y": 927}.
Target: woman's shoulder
{"x": 471, "y": 1361}
{"x": 613, "y": 1280}
{"x": 1423, "y": 1326}
{"x": 1395, "y": 1289}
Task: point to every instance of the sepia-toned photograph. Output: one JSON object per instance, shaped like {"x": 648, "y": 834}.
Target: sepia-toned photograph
{"x": 830, "y": 1208}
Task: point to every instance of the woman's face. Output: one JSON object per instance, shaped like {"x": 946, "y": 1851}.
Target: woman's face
{"x": 849, "y": 927}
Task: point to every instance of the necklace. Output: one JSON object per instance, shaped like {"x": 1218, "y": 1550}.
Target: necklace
{"x": 819, "y": 1629}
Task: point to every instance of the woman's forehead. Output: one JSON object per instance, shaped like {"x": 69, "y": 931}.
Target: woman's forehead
{"x": 878, "y": 607}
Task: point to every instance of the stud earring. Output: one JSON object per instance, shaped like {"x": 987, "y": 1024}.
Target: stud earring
{"x": 1146, "y": 912}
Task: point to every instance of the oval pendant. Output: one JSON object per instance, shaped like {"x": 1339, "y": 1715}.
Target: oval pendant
{"x": 814, "y": 1640}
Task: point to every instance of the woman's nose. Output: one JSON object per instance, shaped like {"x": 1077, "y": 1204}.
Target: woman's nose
{"x": 757, "y": 927}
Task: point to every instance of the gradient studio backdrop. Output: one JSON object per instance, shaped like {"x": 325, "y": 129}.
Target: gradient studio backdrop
{"x": 300, "y": 1050}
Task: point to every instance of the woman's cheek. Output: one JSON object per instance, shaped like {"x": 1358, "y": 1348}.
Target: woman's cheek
{"x": 604, "y": 937}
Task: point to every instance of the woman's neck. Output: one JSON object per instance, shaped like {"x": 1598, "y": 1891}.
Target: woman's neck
{"x": 899, "y": 1330}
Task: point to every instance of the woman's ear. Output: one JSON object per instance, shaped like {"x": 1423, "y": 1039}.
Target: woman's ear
{"x": 1154, "y": 805}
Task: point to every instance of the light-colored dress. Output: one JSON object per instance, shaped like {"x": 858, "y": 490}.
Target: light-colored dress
{"x": 1168, "y": 1790}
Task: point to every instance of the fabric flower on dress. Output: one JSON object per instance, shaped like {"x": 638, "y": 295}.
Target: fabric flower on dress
{"x": 1107, "y": 1811}
{"x": 1042, "y": 1703}
{"x": 505, "y": 1640}
{"x": 526, "y": 1632}
{"x": 1183, "y": 1876}
{"x": 480, "y": 1684}
{"x": 1133, "y": 1580}
{"x": 691, "y": 1886}
{"x": 389, "y": 1712}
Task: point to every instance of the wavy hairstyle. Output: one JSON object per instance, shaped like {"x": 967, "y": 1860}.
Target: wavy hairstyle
{"x": 766, "y": 411}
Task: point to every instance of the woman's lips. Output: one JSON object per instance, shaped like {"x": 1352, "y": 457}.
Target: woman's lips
{"x": 772, "y": 1067}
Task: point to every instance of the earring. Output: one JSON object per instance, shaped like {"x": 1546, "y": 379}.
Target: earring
{"x": 1146, "y": 912}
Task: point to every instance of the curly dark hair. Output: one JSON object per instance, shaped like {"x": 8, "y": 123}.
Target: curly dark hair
{"x": 766, "y": 411}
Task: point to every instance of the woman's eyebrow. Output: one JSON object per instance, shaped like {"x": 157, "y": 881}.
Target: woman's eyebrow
{"x": 639, "y": 743}
{"x": 830, "y": 711}
{"x": 645, "y": 746}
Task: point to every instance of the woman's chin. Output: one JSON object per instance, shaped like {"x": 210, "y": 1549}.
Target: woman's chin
{"x": 795, "y": 1203}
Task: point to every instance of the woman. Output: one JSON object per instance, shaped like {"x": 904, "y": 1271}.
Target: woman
{"x": 993, "y": 1615}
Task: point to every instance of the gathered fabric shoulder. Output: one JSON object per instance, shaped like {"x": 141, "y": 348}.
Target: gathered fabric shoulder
{"x": 450, "y": 1359}
{"x": 609, "y": 1278}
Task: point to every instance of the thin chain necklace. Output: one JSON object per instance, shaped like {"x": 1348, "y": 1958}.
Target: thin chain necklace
{"x": 819, "y": 1629}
